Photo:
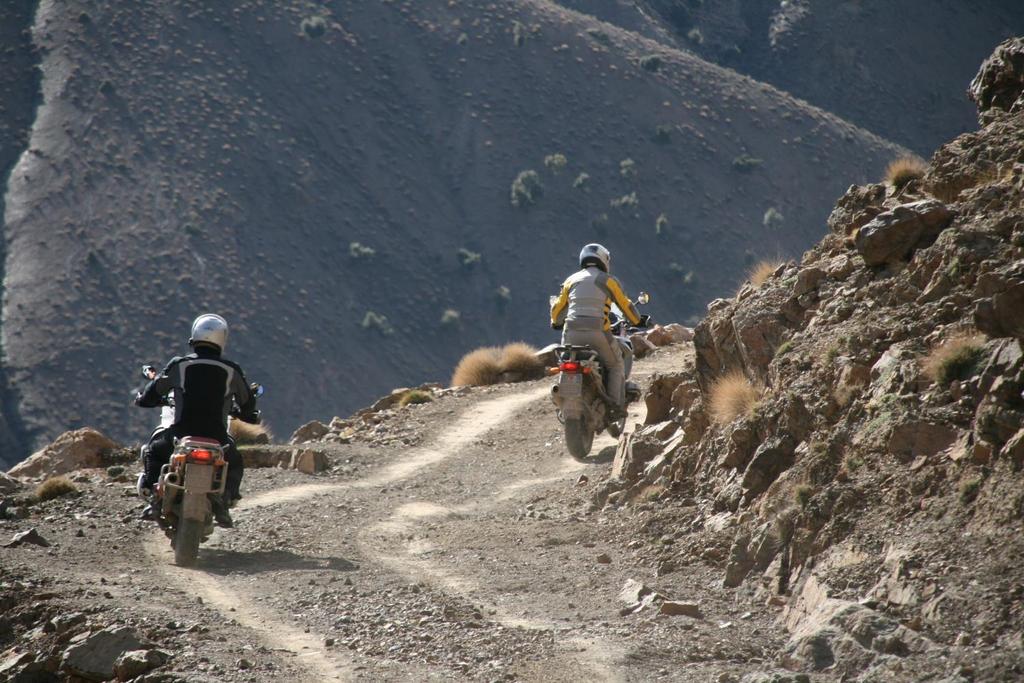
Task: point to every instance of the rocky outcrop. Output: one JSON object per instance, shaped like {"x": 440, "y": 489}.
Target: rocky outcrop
{"x": 999, "y": 86}
{"x": 893, "y": 235}
{"x": 78, "y": 449}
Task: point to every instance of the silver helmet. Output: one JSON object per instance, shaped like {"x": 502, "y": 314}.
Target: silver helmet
{"x": 210, "y": 329}
{"x": 595, "y": 254}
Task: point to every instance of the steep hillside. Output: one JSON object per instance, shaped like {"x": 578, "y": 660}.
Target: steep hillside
{"x": 334, "y": 178}
{"x": 850, "y": 439}
{"x": 898, "y": 69}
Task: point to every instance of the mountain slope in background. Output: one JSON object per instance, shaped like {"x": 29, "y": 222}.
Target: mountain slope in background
{"x": 191, "y": 157}
{"x": 897, "y": 69}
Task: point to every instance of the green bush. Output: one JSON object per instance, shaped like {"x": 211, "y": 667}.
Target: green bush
{"x": 504, "y": 294}
{"x": 556, "y": 162}
{"x": 662, "y": 134}
{"x": 358, "y": 251}
{"x": 627, "y": 168}
{"x": 661, "y": 224}
{"x": 450, "y": 318}
{"x": 415, "y": 396}
{"x": 802, "y": 494}
{"x": 375, "y": 321}
{"x": 969, "y": 489}
{"x": 314, "y": 27}
{"x": 468, "y": 258}
{"x": 650, "y": 63}
{"x": 773, "y": 218}
{"x": 582, "y": 181}
{"x": 518, "y": 34}
{"x": 526, "y": 189}
{"x": 625, "y": 202}
{"x": 694, "y": 35}
{"x": 745, "y": 163}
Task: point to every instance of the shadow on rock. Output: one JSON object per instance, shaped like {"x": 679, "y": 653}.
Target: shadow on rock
{"x": 220, "y": 561}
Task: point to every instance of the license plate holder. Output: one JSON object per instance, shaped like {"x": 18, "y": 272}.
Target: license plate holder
{"x": 570, "y": 384}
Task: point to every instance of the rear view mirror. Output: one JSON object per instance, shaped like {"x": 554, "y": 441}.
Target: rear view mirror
{"x": 643, "y": 298}
{"x": 257, "y": 390}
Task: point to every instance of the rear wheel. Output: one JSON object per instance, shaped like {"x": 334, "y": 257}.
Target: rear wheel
{"x": 186, "y": 542}
{"x": 578, "y": 437}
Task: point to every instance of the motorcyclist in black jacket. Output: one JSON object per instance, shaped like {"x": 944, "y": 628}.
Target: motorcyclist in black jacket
{"x": 206, "y": 387}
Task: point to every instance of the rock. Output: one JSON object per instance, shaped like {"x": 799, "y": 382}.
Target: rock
{"x": 31, "y": 537}
{"x": 641, "y": 347}
{"x": 679, "y": 333}
{"x": 772, "y": 458}
{"x": 9, "y": 484}
{"x": 137, "y": 662}
{"x": 893, "y": 235}
{"x": 311, "y": 431}
{"x": 308, "y": 461}
{"x": 999, "y": 84}
{"x": 78, "y": 449}
{"x": 807, "y": 280}
{"x": 999, "y": 313}
{"x": 95, "y": 657}
{"x": 683, "y": 609}
{"x": 658, "y": 336}
{"x": 637, "y": 596}
{"x": 857, "y": 207}
{"x": 264, "y": 456}
{"x": 603, "y": 558}
{"x": 632, "y": 456}
{"x": 917, "y": 438}
{"x": 1014, "y": 449}
{"x": 659, "y": 397}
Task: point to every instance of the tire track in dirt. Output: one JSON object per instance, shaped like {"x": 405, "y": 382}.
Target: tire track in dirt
{"x": 276, "y": 633}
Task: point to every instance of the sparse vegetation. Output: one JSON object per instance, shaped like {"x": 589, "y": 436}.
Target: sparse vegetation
{"x": 556, "y": 162}
{"x": 314, "y": 27}
{"x": 694, "y": 35}
{"x": 55, "y": 487}
{"x": 358, "y": 251}
{"x": 661, "y": 224}
{"x": 650, "y": 63}
{"x": 487, "y": 365}
{"x": 957, "y": 358}
{"x": 504, "y": 294}
{"x": 627, "y": 168}
{"x": 245, "y": 433}
{"x": 901, "y": 171}
{"x": 600, "y": 36}
{"x": 415, "y": 396}
{"x": 802, "y": 495}
{"x": 526, "y": 189}
{"x": 745, "y": 163}
{"x": 731, "y": 396}
{"x": 762, "y": 270}
{"x": 969, "y": 489}
{"x": 450, "y": 318}
{"x": 626, "y": 201}
{"x": 773, "y": 218}
{"x": 582, "y": 181}
{"x": 375, "y": 321}
{"x": 518, "y": 34}
{"x": 662, "y": 134}
{"x": 784, "y": 348}
{"x": 468, "y": 258}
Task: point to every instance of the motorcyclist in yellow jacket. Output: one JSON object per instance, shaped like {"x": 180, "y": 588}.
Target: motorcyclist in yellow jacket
{"x": 583, "y": 309}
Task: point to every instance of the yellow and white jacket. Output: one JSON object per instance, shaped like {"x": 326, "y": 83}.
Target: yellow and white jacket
{"x": 586, "y": 300}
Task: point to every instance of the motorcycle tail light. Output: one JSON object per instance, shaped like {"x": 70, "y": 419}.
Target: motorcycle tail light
{"x": 200, "y": 455}
{"x": 569, "y": 366}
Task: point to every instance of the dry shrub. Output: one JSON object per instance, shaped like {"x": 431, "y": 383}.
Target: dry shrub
{"x": 55, "y": 487}
{"x": 733, "y": 395}
{"x": 521, "y": 358}
{"x": 956, "y": 358}
{"x": 762, "y": 270}
{"x": 246, "y": 434}
{"x": 487, "y": 365}
{"x": 414, "y": 396}
{"x": 478, "y": 368}
{"x": 901, "y": 171}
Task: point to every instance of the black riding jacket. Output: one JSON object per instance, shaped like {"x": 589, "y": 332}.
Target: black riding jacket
{"x": 205, "y": 388}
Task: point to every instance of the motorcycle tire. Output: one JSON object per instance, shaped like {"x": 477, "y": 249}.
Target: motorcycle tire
{"x": 186, "y": 542}
{"x": 578, "y": 438}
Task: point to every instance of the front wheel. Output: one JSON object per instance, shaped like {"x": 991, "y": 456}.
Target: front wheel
{"x": 578, "y": 437}
{"x": 186, "y": 542}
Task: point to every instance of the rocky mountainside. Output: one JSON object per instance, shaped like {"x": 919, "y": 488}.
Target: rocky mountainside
{"x": 337, "y": 180}
{"x": 897, "y": 69}
{"x": 849, "y": 440}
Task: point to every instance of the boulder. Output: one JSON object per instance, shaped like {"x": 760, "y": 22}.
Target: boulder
{"x": 685, "y": 609}
{"x": 807, "y": 280}
{"x": 30, "y": 537}
{"x": 308, "y": 461}
{"x": 1014, "y": 448}
{"x": 137, "y": 662}
{"x": 632, "y": 456}
{"x": 637, "y": 596}
{"x": 78, "y": 449}
{"x": 311, "y": 431}
{"x": 920, "y": 438}
{"x": 95, "y": 657}
{"x": 857, "y": 207}
{"x": 659, "y": 397}
{"x": 9, "y": 484}
{"x": 641, "y": 347}
{"x": 998, "y": 314}
{"x": 264, "y": 456}
{"x": 679, "y": 333}
{"x": 893, "y": 235}
{"x": 999, "y": 84}
{"x": 772, "y": 458}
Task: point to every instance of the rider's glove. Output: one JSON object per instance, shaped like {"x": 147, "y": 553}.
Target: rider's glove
{"x": 557, "y": 326}
{"x": 645, "y": 320}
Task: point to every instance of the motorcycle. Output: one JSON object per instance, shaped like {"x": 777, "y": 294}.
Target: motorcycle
{"x": 191, "y": 484}
{"x": 581, "y": 394}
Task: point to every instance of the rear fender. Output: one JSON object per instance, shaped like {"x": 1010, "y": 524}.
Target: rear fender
{"x": 198, "y": 482}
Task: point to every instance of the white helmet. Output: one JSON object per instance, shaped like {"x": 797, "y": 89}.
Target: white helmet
{"x": 595, "y": 254}
{"x": 210, "y": 329}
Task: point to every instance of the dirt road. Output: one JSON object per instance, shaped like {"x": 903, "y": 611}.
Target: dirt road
{"x": 475, "y": 555}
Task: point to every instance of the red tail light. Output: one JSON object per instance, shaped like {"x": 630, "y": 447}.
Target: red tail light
{"x": 569, "y": 366}
{"x": 200, "y": 455}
